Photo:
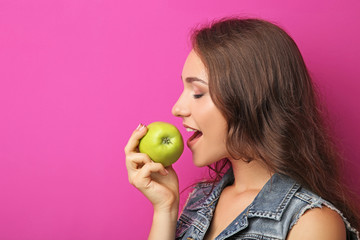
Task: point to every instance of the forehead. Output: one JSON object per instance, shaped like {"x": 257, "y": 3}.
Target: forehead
{"x": 194, "y": 67}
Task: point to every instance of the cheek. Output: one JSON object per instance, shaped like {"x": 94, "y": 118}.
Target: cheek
{"x": 212, "y": 147}
{"x": 209, "y": 117}
{"x": 216, "y": 127}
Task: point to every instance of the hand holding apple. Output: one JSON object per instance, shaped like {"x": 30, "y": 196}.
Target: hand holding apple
{"x": 159, "y": 185}
{"x": 163, "y": 143}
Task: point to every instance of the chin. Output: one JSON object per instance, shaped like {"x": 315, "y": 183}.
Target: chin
{"x": 198, "y": 162}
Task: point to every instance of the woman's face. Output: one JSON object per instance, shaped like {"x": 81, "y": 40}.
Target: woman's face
{"x": 200, "y": 115}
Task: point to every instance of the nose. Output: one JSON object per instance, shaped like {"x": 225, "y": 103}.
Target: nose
{"x": 181, "y": 108}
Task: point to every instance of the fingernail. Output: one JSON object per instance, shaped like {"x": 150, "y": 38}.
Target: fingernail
{"x": 166, "y": 171}
{"x": 142, "y": 126}
{"x": 138, "y": 127}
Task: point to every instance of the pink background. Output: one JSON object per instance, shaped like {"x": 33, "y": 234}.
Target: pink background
{"x": 78, "y": 76}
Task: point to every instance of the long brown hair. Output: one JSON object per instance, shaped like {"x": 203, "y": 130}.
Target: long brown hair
{"x": 260, "y": 83}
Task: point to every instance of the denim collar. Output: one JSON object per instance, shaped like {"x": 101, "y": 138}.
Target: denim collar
{"x": 270, "y": 202}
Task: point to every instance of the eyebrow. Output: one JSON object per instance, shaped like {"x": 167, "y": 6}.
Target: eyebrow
{"x": 194, "y": 79}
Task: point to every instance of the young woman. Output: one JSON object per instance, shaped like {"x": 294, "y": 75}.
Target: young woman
{"x": 251, "y": 103}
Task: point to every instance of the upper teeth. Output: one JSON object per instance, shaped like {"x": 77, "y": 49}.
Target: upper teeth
{"x": 190, "y": 130}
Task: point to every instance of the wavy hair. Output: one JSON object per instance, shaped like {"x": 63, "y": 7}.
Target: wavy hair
{"x": 260, "y": 83}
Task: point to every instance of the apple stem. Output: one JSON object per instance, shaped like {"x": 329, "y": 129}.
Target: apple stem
{"x": 166, "y": 140}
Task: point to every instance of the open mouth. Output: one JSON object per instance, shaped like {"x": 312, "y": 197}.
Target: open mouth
{"x": 197, "y": 134}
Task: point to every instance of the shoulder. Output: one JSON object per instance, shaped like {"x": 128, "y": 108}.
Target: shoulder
{"x": 198, "y": 195}
{"x": 194, "y": 203}
{"x": 206, "y": 192}
{"x": 319, "y": 223}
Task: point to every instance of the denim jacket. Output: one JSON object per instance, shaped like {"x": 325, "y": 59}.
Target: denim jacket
{"x": 274, "y": 211}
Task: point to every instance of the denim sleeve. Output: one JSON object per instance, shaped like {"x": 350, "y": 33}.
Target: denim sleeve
{"x": 194, "y": 203}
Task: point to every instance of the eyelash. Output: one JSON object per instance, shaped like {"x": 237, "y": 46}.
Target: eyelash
{"x": 197, "y": 96}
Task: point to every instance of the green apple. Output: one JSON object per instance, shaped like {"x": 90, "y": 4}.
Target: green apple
{"x": 163, "y": 143}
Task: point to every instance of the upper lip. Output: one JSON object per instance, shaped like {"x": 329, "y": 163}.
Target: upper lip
{"x": 186, "y": 126}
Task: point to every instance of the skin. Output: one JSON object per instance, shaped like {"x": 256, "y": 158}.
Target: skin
{"x": 160, "y": 185}
{"x": 198, "y": 111}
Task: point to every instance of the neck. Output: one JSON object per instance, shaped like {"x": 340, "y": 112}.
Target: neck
{"x": 249, "y": 176}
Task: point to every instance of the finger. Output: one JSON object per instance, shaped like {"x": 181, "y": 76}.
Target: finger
{"x": 152, "y": 167}
{"x": 137, "y": 160}
{"x": 134, "y": 140}
{"x": 143, "y": 178}
{"x": 170, "y": 168}
{"x": 134, "y": 162}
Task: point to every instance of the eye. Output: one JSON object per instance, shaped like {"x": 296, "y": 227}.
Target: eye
{"x": 196, "y": 96}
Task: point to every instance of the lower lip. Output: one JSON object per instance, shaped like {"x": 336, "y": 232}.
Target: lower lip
{"x": 193, "y": 139}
